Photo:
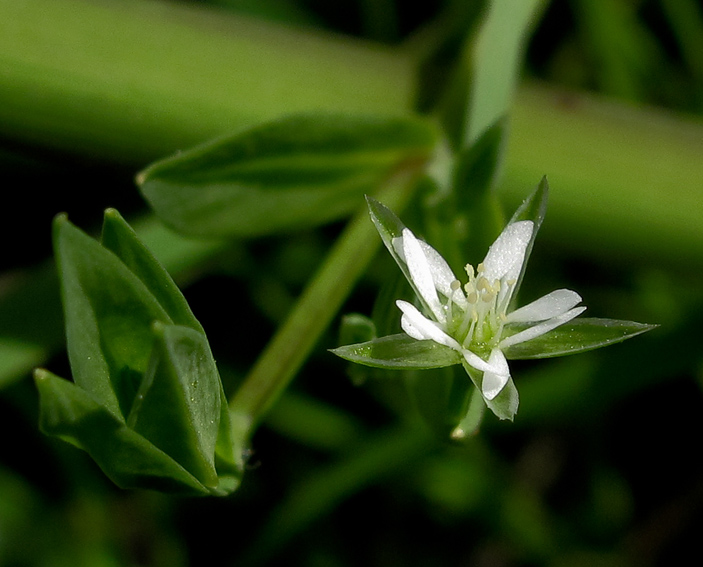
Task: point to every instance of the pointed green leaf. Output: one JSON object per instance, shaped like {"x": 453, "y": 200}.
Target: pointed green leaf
{"x": 108, "y": 312}
{"x": 131, "y": 461}
{"x": 579, "y": 335}
{"x": 120, "y": 238}
{"x": 178, "y": 406}
{"x": 399, "y": 352}
{"x": 292, "y": 173}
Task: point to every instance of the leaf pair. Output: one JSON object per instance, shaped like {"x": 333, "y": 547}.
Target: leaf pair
{"x": 147, "y": 402}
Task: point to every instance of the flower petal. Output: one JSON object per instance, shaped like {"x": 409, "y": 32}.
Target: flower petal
{"x": 551, "y": 305}
{"x": 494, "y": 381}
{"x": 442, "y": 274}
{"x": 541, "y": 328}
{"x": 507, "y": 254}
{"x": 419, "y": 327}
{"x": 421, "y": 274}
{"x": 477, "y": 362}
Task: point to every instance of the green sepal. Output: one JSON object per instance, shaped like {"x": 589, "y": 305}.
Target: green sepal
{"x": 389, "y": 227}
{"x": 534, "y": 208}
{"x": 399, "y": 352}
{"x": 108, "y": 312}
{"x": 505, "y": 404}
{"x": 291, "y": 173}
{"x": 126, "y": 457}
{"x": 576, "y": 336}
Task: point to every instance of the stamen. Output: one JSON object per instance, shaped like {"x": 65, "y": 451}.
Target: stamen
{"x": 488, "y": 296}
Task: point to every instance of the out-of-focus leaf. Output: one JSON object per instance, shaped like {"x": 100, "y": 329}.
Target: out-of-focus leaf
{"x": 579, "y": 335}
{"x": 399, "y": 352}
{"x": 287, "y": 174}
{"x": 482, "y": 88}
{"x": 473, "y": 209}
{"x": 356, "y": 328}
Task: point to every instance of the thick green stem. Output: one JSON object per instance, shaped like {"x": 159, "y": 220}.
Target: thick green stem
{"x": 316, "y": 307}
{"x": 136, "y": 80}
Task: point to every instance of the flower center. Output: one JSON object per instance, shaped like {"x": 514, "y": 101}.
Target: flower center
{"x": 478, "y": 321}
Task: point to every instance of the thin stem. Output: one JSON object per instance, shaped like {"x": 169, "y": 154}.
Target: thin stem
{"x": 471, "y": 423}
{"x": 318, "y": 304}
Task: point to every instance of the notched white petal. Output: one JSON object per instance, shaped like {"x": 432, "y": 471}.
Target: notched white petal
{"x": 421, "y": 274}
{"x": 494, "y": 381}
{"x": 419, "y": 327}
{"x": 541, "y": 328}
{"x": 507, "y": 254}
{"x": 551, "y": 305}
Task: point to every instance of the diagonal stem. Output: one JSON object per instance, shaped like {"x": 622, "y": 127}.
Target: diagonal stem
{"x": 315, "y": 309}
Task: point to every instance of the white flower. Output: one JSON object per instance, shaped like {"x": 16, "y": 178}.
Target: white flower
{"x": 471, "y": 318}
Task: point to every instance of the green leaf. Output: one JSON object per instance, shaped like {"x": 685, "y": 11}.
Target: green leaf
{"x": 476, "y": 172}
{"x": 178, "y": 407}
{"x": 129, "y": 459}
{"x": 399, "y": 352}
{"x": 476, "y": 167}
{"x": 579, "y": 335}
{"x": 120, "y": 238}
{"x": 295, "y": 172}
{"x": 108, "y": 312}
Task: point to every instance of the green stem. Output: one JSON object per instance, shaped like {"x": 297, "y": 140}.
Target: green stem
{"x": 316, "y": 307}
{"x": 471, "y": 423}
{"x": 135, "y": 80}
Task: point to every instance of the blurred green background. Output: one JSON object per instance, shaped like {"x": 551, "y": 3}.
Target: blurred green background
{"x": 600, "y": 466}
